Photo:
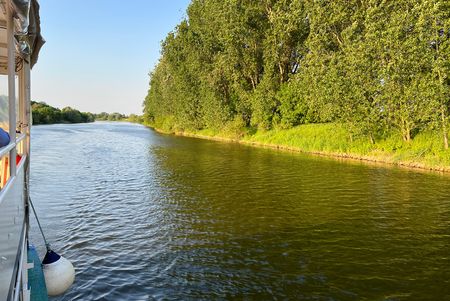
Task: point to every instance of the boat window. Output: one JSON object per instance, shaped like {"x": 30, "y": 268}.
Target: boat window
{"x": 4, "y": 107}
{"x": 16, "y": 78}
{"x": 4, "y": 104}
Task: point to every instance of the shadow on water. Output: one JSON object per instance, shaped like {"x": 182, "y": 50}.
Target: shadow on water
{"x": 147, "y": 216}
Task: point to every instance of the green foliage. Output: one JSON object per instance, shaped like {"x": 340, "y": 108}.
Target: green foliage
{"x": 235, "y": 129}
{"x": 135, "y": 118}
{"x": 426, "y": 148}
{"x": 309, "y": 138}
{"x": 46, "y": 114}
{"x": 381, "y": 69}
{"x": 293, "y": 109}
{"x": 103, "y": 116}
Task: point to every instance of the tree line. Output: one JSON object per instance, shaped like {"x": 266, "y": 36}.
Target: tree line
{"x": 379, "y": 67}
{"x": 103, "y": 116}
{"x": 45, "y": 114}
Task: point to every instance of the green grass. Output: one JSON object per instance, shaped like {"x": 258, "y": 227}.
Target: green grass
{"x": 426, "y": 150}
{"x": 309, "y": 138}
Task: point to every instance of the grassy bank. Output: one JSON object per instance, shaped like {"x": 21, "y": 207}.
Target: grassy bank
{"x": 425, "y": 151}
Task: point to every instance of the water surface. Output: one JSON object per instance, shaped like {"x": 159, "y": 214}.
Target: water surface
{"x": 145, "y": 216}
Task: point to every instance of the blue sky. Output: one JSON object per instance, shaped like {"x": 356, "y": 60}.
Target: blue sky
{"x": 98, "y": 53}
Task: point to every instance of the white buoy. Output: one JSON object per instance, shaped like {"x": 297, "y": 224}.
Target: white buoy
{"x": 59, "y": 273}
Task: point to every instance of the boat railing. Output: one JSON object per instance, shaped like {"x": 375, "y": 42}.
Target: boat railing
{"x": 6, "y": 149}
{"x": 20, "y": 279}
{"x": 14, "y": 157}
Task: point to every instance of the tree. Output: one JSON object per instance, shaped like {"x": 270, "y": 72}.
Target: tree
{"x": 375, "y": 66}
{"x": 434, "y": 33}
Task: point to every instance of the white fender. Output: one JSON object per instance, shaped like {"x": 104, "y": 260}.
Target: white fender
{"x": 59, "y": 273}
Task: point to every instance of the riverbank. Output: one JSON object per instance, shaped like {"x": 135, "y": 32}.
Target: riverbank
{"x": 424, "y": 152}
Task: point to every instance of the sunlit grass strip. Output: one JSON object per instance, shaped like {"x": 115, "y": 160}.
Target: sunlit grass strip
{"x": 424, "y": 151}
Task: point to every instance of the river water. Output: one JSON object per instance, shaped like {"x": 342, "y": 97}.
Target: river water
{"x": 145, "y": 216}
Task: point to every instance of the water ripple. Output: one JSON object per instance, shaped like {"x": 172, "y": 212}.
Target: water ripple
{"x": 151, "y": 217}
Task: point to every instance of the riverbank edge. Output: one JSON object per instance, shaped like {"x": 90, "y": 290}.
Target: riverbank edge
{"x": 384, "y": 160}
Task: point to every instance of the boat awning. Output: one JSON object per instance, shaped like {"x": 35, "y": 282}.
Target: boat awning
{"x": 27, "y": 30}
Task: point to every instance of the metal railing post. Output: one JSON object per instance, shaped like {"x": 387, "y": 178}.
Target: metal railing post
{"x": 11, "y": 88}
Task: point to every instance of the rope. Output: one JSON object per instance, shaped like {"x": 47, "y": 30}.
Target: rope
{"x": 19, "y": 64}
{"x": 47, "y": 245}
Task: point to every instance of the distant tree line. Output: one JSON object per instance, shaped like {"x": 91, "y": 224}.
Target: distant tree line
{"x": 110, "y": 116}
{"x": 380, "y": 67}
{"x": 46, "y": 114}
